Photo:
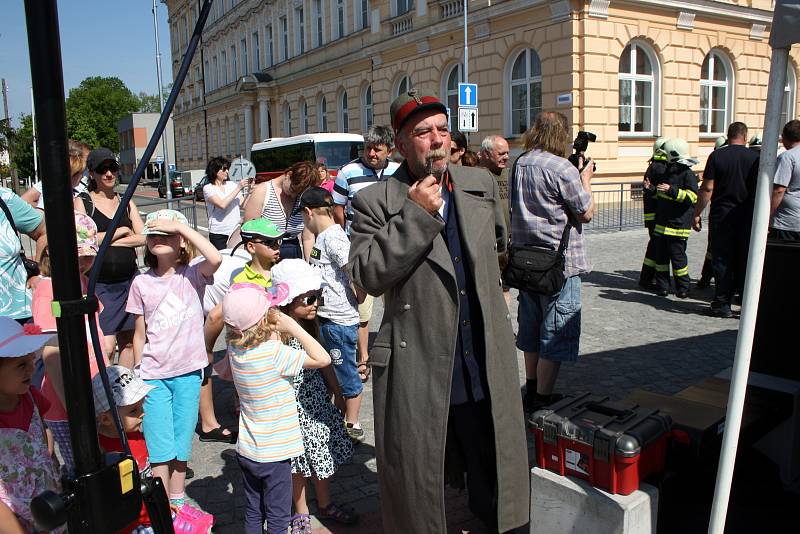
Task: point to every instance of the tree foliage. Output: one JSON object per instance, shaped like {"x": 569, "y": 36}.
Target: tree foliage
{"x": 150, "y": 103}
{"x": 95, "y": 107}
{"x": 20, "y": 145}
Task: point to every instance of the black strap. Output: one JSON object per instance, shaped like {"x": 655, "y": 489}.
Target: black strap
{"x": 564, "y": 243}
{"x": 7, "y": 211}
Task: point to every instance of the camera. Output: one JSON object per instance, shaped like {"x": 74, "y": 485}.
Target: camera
{"x": 580, "y": 145}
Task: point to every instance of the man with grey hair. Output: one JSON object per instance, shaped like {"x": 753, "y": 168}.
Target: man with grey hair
{"x": 373, "y": 166}
{"x": 494, "y": 154}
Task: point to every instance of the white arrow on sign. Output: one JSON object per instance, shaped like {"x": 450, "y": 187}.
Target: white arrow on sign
{"x": 468, "y": 119}
{"x": 468, "y": 92}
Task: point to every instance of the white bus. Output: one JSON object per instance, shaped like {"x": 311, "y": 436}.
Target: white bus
{"x": 273, "y": 156}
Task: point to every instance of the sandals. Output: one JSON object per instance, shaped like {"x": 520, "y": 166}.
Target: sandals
{"x": 363, "y": 371}
{"x": 217, "y": 435}
{"x": 301, "y": 524}
{"x": 339, "y": 514}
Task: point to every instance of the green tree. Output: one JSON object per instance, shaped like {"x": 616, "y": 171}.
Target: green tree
{"x": 20, "y": 144}
{"x": 95, "y": 107}
{"x": 150, "y": 103}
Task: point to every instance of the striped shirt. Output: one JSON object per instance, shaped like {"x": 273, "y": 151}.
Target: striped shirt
{"x": 269, "y": 428}
{"x": 354, "y": 177}
{"x": 547, "y": 192}
{"x": 291, "y": 225}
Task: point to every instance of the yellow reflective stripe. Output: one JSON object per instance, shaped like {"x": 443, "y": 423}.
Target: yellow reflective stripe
{"x": 649, "y": 216}
{"x": 681, "y": 272}
{"x": 691, "y": 195}
{"x": 664, "y": 196}
{"x": 673, "y": 232}
{"x": 681, "y": 195}
{"x": 648, "y": 262}
{"x": 663, "y": 268}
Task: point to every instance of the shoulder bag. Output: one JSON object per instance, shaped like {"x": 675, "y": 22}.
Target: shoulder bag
{"x": 31, "y": 267}
{"x": 535, "y": 269}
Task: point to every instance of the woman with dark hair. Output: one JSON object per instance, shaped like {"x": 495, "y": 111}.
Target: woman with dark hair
{"x": 278, "y": 200}
{"x": 119, "y": 263}
{"x": 458, "y": 147}
{"x": 223, "y": 201}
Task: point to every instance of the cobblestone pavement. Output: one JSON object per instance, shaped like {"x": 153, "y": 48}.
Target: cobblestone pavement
{"x": 631, "y": 339}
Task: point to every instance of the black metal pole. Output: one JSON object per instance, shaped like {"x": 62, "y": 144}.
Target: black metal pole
{"x": 48, "y": 94}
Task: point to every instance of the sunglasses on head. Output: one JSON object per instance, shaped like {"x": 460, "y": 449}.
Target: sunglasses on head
{"x": 274, "y": 244}
{"x": 102, "y": 169}
{"x": 310, "y": 299}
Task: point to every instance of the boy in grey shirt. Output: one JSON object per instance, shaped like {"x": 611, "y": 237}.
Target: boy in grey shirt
{"x": 785, "y": 206}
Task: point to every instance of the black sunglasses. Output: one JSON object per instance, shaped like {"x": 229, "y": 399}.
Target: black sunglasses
{"x": 274, "y": 244}
{"x": 311, "y": 299}
{"x": 102, "y": 169}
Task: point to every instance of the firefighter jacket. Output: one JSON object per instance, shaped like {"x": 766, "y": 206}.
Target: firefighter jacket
{"x": 655, "y": 172}
{"x": 675, "y": 207}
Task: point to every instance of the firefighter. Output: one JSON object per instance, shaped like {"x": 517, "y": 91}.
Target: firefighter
{"x": 675, "y": 200}
{"x": 653, "y": 176}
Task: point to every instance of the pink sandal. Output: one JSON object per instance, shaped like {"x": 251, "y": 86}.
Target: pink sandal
{"x": 190, "y": 520}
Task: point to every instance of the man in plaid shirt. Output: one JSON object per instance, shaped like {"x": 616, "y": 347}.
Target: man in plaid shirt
{"x": 548, "y": 191}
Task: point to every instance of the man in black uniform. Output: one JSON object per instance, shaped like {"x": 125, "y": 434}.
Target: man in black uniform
{"x": 675, "y": 196}
{"x": 729, "y": 183}
{"x": 653, "y": 176}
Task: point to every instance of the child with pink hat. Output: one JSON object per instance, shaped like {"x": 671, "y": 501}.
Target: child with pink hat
{"x": 263, "y": 369}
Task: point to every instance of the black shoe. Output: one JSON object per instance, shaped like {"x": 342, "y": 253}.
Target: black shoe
{"x": 703, "y": 283}
{"x": 723, "y": 311}
{"x": 682, "y": 294}
{"x": 650, "y": 286}
{"x": 189, "y": 473}
{"x": 217, "y": 435}
{"x": 662, "y": 292}
{"x": 529, "y": 401}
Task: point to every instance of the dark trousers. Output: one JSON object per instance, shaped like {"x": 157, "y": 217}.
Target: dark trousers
{"x": 708, "y": 265}
{"x": 668, "y": 249}
{"x": 290, "y": 249}
{"x": 729, "y": 257}
{"x": 268, "y": 491}
{"x": 220, "y": 241}
{"x": 470, "y": 433}
{"x": 649, "y": 264}
{"x": 784, "y": 235}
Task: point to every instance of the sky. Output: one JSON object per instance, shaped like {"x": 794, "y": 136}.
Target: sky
{"x": 98, "y": 38}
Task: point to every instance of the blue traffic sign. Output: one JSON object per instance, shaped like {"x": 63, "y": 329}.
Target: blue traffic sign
{"x": 468, "y": 95}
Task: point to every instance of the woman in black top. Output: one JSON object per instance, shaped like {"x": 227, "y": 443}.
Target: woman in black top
{"x": 119, "y": 264}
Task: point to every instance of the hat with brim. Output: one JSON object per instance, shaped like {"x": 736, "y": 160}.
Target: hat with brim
{"x": 98, "y": 156}
{"x": 260, "y": 228}
{"x": 412, "y": 102}
{"x": 246, "y": 304}
{"x": 314, "y": 197}
{"x": 299, "y": 275}
{"x": 163, "y": 215}
{"x": 126, "y": 388}
{"x": 17, "y": 340}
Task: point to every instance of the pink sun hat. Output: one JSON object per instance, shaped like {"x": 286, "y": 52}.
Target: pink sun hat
{"x": 246, "y": 304}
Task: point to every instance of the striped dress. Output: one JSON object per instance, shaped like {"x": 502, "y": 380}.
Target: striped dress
{"x": 269, "y": 429}
{"x": 292, "y": 225}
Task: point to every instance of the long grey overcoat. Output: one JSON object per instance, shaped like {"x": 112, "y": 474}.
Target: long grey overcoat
{"x": 397, "y": 250}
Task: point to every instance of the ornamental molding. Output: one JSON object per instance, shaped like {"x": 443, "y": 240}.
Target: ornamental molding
{"x": 561, "y": 9}
{"x": 685, "y": 21}
{"x": 757, "y": 32}
{"x": 599, "y": 9}
{"x": 481, "y": 29}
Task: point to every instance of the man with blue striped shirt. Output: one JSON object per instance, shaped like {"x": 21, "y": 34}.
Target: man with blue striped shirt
{"x": 373, "y": 166}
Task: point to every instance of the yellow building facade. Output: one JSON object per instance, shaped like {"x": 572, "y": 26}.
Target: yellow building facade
{"x": 628, "y": 71}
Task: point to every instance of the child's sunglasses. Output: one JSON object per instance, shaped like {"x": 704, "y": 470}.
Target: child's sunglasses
{"x": 311, "y": 300}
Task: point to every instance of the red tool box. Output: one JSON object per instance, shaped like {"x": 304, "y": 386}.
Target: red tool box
{"x": 611, "y": 445}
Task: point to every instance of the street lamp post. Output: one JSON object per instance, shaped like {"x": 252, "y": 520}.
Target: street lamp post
{"x": 165, "y": 173}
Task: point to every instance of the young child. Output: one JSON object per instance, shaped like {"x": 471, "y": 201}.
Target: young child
{"x": 41, "y": 307}
{"x": 262, "y": 369}
{"x": 262, "y": 240}
{"x": 325, "y": 440}
{"x": 338, "y": 313}
{"x": 129, "y": 392}
{"x": 27, "y": 467}
{"x": 168, "y": 351}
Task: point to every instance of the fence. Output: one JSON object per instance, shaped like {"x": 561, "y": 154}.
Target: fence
{"x": 617, "y": 205}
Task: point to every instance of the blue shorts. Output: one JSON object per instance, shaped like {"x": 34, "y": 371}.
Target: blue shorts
{"x": 551, "y": 326}
{"x": 170, "y": 415}
{"x": 341, "y": 342}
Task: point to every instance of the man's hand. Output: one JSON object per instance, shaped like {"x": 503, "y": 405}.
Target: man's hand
{"x": 646, "y": 183}
{"x": 664, "y": 188}
{"x": 588, "y": 172}
{"x": 697, "y": 223}
{"x": 427, "y": 194}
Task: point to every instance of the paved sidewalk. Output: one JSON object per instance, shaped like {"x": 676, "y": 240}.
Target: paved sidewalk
{"x": 631, "y": 339}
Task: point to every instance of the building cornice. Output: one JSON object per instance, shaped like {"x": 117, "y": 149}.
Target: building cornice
{"x": 708, "y": 8}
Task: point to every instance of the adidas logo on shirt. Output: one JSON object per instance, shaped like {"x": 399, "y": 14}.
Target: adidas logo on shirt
{"x": 170, "y": 313}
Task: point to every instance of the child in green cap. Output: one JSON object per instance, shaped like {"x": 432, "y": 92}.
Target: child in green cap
{"x": 262, "y": 240}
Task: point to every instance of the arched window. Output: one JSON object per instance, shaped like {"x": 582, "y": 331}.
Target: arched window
{"x": 303, "y": 117}
{"x": 716, "y": 100}
{"x": 366, "y": 104}
{"x": 450, "y": 83}
{"x": 403, "y": 86}
{"x": 788, "y": 111}
{"x": 525, "y": 91}
{"x": 322, "y": 114}
{"x": 287, "y": 119}
{"x": 638, "y": 90}
{"x": 344, "y": 115}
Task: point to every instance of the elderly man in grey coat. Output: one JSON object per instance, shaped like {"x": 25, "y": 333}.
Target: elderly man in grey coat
{"x": 445, "y": 375}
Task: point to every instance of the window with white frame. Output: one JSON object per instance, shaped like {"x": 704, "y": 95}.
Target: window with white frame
{"x": 256, "y": 47}
{"x": 287, "y": 119}
{"x": 303, "y": 117}
{"x": 185, "y": 31}
{"x": 339, "y": 18}
{"x": 318, "y": 23}
{"x": 403, "y": 86}
{"x": 366, "y": 104}
{"x": 234, "y": 65}
{"x": 299, "y": 30}
{"x": 403, "y": 6}
{"x": 363, "y": 16}
{"x": 715, "y": 94}
{"x": 322, "y": 114}
{"x": 269, "y": 46}
{"x": 638, "y": 91}
{"x": 344, "y": 114}
{"x": 215, "y": 72}
{"x": 207, "y": 77}
{"x": 284, "y": 39}
{"x": 788, "y": 111}
{"x": 243, "y": 52}
{"x": 452, "y": 78}
{"x": 224, "y": 68}
{"x": 525, "y": 91}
